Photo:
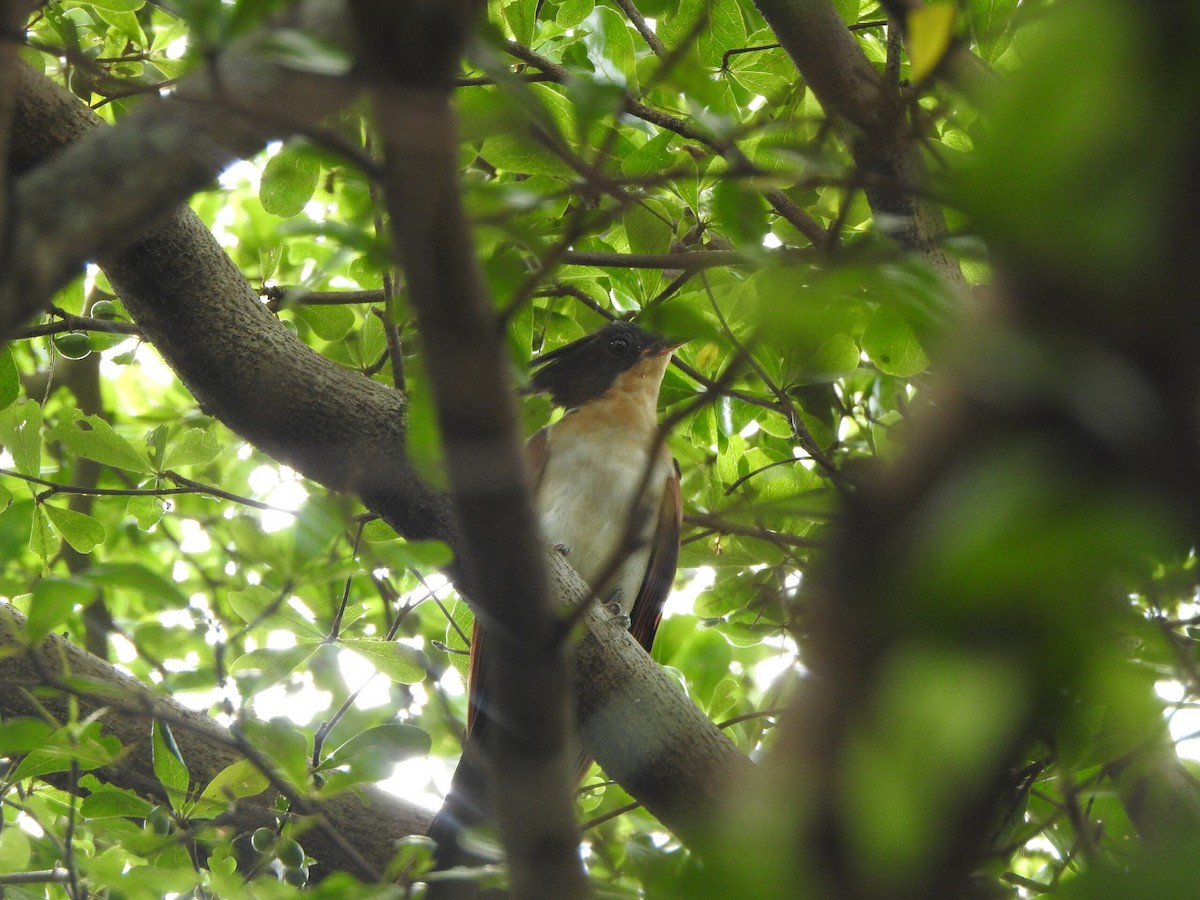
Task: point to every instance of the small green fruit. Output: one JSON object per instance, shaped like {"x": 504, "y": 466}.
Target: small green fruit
{"x": 263, "y": 839}
{"x": 73, "y": 344}
{"x": 296, "y": 876}
{"x": 106, "y": 310}
{"x": 290, "y": 853}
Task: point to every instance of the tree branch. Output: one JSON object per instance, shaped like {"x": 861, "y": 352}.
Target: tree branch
{"x": 182, "y": 143}
{"x": 780, "y": 202}
{"x": 527, "y": 740}
{"x": 370, "y": 823}
{"x": 882, "y": 142}
{"x": 239, "y": 361}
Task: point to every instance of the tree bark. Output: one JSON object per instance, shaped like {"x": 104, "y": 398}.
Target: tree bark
{"x": 357, "y": 834}
{"x": 96, "y": 201}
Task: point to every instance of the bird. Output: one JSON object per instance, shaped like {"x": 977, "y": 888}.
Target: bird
{"x": 606, "y": 489}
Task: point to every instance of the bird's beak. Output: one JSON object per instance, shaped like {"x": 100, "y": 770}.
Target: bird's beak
{"x": 665, "y": 346}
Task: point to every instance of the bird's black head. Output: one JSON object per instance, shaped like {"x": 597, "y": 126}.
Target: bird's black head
{"x": 587, "y": 368}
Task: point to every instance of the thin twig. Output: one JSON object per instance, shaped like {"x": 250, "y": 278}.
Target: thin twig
{"x": 795, "y": 216}
{"x": 57, "y": 875}
{"x": 639, "y": 22}
{"x": 724, "y": 526}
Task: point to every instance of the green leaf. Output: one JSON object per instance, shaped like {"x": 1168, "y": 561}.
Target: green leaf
{"x": 522, "y": 154}
{"x": 521, "y": 16}
{"x": 726, "y": 31}
{"x": 274, "y": 665}
{"x": 284, "y": 744}
{"x": 21, "y": 734}
{"x": 930, "y": 30}
{"x": 892, "y": 346}
{"x": 836, "y": 356}
{"x": 93, "y": 438}
{"x": 152, "y": 585}
{"x": 647, "y": 229}
{"x": 236, "y": 781}
{"x": 10, "y": 382}
{"x": 572, "y": 12}
{"x": 146, "y": 510}
{"x": 195, "y": 447}
{"x": 43, "y": 540}
{"x": 463, "y": 624}
{"x": 169, "y": 767}
{"x": 706, "y": 658}
{"x": 256, "y": 602}
{"x": 653, "y": 157}
{"x": 614, "y": 52}
{"x": 123, "y": 20}
{"x": 371, "y": 754}
{"x": 741, "y": 213}
{"x": 288, "y": 181}
{"x": 80, "y": 530}
{"x": 306, "y": 52}
{"x": 111, "y": 803}
{"x": 848, "y": 10}
{"x": 54, "y": 600}
{"x": 21, "y": 435}
{"x": 88, "y": 749}
{"x": 15, "y": 850}
{"x": 725, "y": 698}
{"x": 401, "y": 554}
{"x": 318, "y": 525}
{"x": 118, "y": 5}
{"x": 989, "y": 22}
{"x": 330, "y": 323}
{"x": 378, "y": 531}
{"x": 399, "y": 662}
{"x": 268, "y": 260}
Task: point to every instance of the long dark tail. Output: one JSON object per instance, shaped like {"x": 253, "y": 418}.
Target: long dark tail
{"x": 466, "y": 807}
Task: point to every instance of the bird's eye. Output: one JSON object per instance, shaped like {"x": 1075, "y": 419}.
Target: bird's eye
{"x": 618, "y": 347}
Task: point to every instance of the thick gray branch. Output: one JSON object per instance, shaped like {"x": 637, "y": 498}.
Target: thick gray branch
{"x": 244, "y": 367}
{"x": 94, "y": 201}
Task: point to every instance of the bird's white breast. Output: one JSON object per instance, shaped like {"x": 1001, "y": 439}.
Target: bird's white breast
{"x": 592, "y": 475}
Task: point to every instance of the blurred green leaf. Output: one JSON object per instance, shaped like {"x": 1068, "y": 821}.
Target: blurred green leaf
{"x": 371, "y": 755}
{"x": 397, "y": 661}
{"x": 110, "y": 803}
{"x": 236, "y": 781}
{"x": 289, "y": 181}
{"x": 20, "y": 734}
{"x": 892, "y": 346}
{"x": 21, "y": 435}
{"x": 10, "y": 382}
{"x": 930, "y": 29}
{"x": 258, "y": 606}
{"x": 169, "y": 767}
{"x": 68, "y": 747}
{"x": 195, "y": 447}
{"x": 54, "y": 600}
{"x": 274, "y": 665}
